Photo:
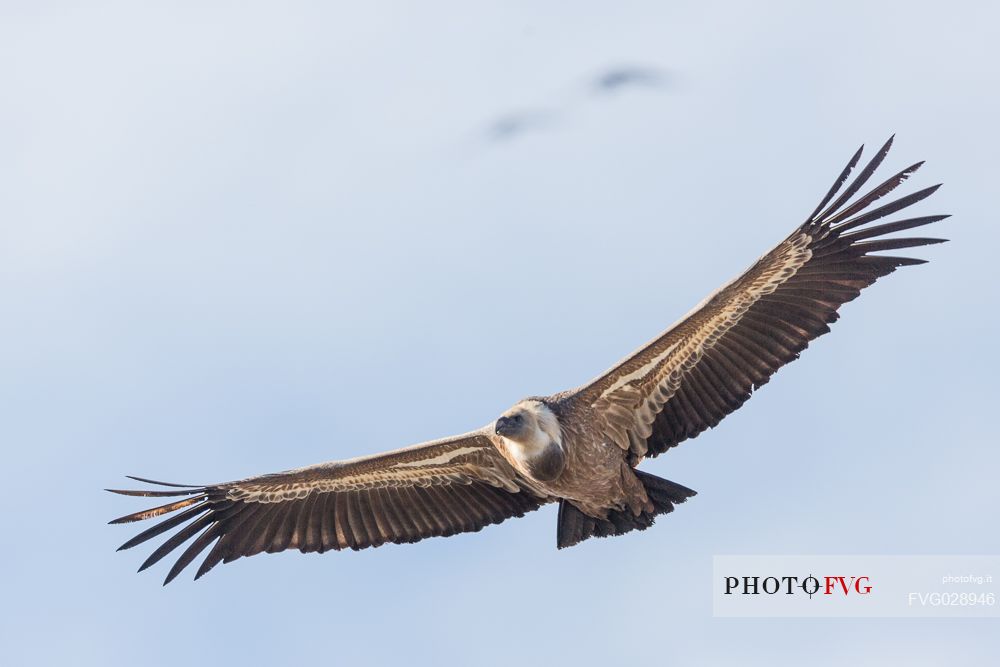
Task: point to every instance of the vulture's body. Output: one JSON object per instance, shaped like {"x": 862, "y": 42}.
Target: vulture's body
{"x": 579, "y": 448}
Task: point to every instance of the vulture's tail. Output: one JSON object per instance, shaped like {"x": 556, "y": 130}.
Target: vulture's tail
{"x": 575, "y": 526}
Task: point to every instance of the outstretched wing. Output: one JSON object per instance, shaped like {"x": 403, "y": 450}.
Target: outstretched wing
{"x": 439, "y": 488}
{"x": 707, "y": 365}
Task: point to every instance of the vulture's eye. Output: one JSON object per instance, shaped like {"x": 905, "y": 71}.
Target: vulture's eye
{"x": 517, "y": 418}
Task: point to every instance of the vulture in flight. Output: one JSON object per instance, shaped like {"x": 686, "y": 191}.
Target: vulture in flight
{"x": 580, "y": 448}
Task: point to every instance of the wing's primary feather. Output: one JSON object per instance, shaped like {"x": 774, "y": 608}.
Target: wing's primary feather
{"x": 440, "y": 488}
{"x": 706, "y": 366}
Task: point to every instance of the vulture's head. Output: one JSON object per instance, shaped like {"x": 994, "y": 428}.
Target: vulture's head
{"x": 530, "y": 424}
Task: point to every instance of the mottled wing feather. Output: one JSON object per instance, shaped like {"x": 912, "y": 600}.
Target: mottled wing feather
{"x": 708, "y": 364}
{"x": 440, "y": 488}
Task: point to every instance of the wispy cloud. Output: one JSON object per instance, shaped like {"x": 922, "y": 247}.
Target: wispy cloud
{"x": 620, "y": 78}
{"x": 514, "y": 125}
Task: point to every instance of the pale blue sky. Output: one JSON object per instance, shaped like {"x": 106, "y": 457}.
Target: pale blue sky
{"x": 241, "y": 237}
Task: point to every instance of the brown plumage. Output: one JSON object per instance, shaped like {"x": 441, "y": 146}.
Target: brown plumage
{"x": 580, "y": 447}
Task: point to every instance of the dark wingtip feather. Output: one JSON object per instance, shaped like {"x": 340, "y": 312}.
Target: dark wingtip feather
{"x": 897, "y": 262}
{"x": 892, "y": 227}
{"x": 153, "y": 481}
{"x": 142, "y": 515}
{"x": 895, "y": 244}
{"x": 165, "y": 525}
{"x": 839, "y": 182}
{"x": 208, "y": 536}
{"x": 153, "y": 494}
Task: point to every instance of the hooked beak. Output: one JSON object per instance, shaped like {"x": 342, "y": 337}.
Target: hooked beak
{"x": 505, "y": 426}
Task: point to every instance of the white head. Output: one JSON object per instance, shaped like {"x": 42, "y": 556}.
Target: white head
{"x": 530, "y": 426}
